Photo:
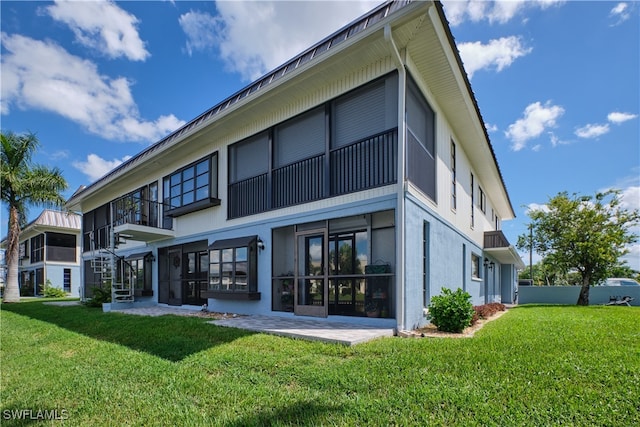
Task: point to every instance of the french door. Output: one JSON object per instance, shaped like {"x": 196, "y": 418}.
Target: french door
{"x": 311, "y": 278}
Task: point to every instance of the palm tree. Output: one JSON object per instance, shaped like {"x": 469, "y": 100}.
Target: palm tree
{"x": 24, "y": 183}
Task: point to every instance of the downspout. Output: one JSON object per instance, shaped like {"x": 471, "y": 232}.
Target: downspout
{"x": 400, "y": 209}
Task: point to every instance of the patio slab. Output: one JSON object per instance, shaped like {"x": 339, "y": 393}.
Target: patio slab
{"x": 309, "y": 329}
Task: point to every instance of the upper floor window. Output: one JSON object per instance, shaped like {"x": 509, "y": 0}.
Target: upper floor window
{"x": 473, "y": 203}
{"x": 453, "y": 176}
{"x": 192, "y": 187}
{"x": 37, "y": 248}
{"x": 482, "y": 200}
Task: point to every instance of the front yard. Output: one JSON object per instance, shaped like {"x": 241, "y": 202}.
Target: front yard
{"x": 535, "y": 365}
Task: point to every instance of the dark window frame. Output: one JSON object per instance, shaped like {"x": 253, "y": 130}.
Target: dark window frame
{"x": 186, "y": 181}
{"x": 243, "y": 251}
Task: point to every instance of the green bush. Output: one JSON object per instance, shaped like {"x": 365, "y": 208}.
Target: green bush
{"x": 100, "y": 295}
{"x": 53, "y": 292}
{"x": 451, "y": 311}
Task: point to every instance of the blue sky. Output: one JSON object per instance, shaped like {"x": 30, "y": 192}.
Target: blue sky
{"x": 557, "y": 82}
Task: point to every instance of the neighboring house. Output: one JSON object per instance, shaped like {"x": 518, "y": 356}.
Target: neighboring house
{"x": 355, "y": 180}
{"x": 50, "y": 252}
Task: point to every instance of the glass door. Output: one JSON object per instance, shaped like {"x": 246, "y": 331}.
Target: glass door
{"x": 311, "y": 290}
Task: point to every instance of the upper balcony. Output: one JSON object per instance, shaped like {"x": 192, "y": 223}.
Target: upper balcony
{"x": 140, "y": 220}
{"x": 498, "y": 247}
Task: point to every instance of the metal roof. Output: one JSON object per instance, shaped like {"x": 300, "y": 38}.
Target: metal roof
{"x": 56, "y": 219}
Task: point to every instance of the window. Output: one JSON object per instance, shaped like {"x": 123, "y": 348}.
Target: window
{"x": 233, "y": 268}
{"x": 482, "y": 200}
{"x": 37, "y": 248}
{"x": 473, "y": 203}
{"x": 66, "y": 280}
{"x": 475, "y": 266}
{"x": 192, "y": 188}
{"x": 453, "y": 176}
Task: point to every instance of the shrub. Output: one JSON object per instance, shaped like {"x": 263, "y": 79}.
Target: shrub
{"x": 451, "y": 311}
{"x": 486, "y": 310}
{"x": 53, "y": 292}
{"x": 100, "y": 296}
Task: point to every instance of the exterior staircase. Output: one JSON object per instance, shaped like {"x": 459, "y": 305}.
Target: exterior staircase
{"x": 104, "y": 262}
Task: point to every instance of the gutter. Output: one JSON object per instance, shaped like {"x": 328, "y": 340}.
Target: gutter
{"x": 400, "y": 208}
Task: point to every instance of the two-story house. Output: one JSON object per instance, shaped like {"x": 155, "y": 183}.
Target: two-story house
{"x": 50, "y": 253}
{"x": 352, "y": 182}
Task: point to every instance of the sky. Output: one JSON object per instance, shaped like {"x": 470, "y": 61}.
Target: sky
{"x": 557, "y": 82}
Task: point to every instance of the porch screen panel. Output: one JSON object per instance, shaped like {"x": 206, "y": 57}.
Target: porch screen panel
{"x": 249, "y": 158}
{"x": 421, "y": 156}
{"x": 365, "y": 112}
{"x": 300, "y": 138}
{"x": 299, "y": 147}
{"x": 248, "y": 169}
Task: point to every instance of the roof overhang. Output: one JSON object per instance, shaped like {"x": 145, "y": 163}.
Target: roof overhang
{"x": 506, "y": 255}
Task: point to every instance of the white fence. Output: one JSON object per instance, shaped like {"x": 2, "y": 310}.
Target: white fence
{"x": 598, "y": 295}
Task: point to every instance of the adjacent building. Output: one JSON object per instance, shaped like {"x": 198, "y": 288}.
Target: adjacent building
{"x": 50, "y": 254}
{"x": 353, "y": 182}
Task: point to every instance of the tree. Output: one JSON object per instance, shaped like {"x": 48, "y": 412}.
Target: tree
{"x": 584, "y": 234}
{"x": 24, "y": 184}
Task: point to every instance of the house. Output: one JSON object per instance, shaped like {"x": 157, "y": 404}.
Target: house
{"x": 353, "y": 182}
{"x": 49, "y": 254}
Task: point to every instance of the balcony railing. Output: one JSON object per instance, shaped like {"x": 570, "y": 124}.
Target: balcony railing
{"x": 495, "y": 239}
{"x": 365, "y": 164}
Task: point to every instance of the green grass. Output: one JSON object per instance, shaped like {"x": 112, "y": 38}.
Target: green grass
{"x": 534, "y": 366}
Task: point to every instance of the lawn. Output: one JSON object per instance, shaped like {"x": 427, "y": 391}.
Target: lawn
{"x": 535, "y": 365}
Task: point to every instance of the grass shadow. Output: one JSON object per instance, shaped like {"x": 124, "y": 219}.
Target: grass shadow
{"x": 170, "y": 337}
{"x": 307, "y": 413}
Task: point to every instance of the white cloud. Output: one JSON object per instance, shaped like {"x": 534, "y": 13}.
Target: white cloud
{"x": 200, "y": 29}
{"x": 255, "y": 37}
{"x": 533, "y": 207}
{"x": 537, "y": 118}
{"x": 493, "y": 11}
{"x": 592, "y": 130}
{"x": 101, "y": 25}
{"x": 618, "y": 117}
{"x": 96, "y": 167}
{"x": 621, "y": 12}
{"x": 42, "y": 75}
{"x": 498, "y": 54}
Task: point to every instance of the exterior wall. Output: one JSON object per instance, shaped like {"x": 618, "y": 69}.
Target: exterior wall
{"x": 452, "y": 239}
{"x": 568, "y": 295}
{"x": 449, "y": 262}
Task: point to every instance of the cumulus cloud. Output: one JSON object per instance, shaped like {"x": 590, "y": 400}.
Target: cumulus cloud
{"x": 103, "y": 26}
{"x": 592, "y": 130}
{"x": 96, "y": 167}
{"x": 255, "y": 37}
{"x": 618, "y": 117}
{"x": 200, "y": 29}
{"x": 458, "y": 11}
{"x": 497, "y": 54}
{"x": 536, "y": 119}
{"x": 42, "y": 75}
